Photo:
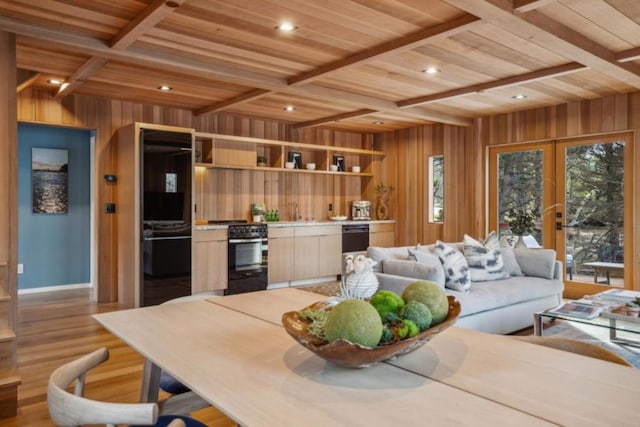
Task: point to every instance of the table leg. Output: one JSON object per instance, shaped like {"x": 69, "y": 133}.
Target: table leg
{"x": 608, "y": 277}
{"x": 537, "y": 324}
{"x": 150, "y": 382}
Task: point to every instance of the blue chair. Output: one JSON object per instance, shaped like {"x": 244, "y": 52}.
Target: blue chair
{"x": 73, "y": 409}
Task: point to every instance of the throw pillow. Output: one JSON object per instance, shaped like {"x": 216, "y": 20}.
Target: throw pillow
{"x": 414, "y": 269}
{"x": 511, "y": 265}
{"x": 484, "y": 259}
{"x": 431, "y": 260}
{"x": 455, "y": 267}
{"x": 537, "y": 262}
{"x": 378, "y": 254}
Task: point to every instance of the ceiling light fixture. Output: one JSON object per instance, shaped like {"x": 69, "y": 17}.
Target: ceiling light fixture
{"x": 519, "y": 96}
{"x": 378, "y": 122}
{"x": 54, "y": 82}
{"x": 165, "y": 88}
{"x": 431, "y": 70}
{"x": 289, "y": 108}
{"x": 286, "y": 27}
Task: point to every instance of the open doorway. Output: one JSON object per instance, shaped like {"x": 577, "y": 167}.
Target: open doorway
{"x": 56, "y": 236}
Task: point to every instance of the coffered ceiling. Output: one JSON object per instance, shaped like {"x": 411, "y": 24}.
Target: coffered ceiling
{"x": 350, "y": 64}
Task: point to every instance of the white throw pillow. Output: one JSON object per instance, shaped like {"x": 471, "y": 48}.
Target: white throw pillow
{"x": 455, "y": 267}
{"x": 537, "y": 262}
{"x": 484, "y": 259}
{"x": 430, "y": 260}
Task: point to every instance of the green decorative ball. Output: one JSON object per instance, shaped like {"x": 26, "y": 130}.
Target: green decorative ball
{"x": 356, "y": 321}
{"x": 431, "y": 295}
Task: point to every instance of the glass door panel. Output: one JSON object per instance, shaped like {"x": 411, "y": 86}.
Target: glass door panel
{"x": 590, "y": 222}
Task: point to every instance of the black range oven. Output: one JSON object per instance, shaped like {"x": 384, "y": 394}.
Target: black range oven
{"x": 248, "y": 257}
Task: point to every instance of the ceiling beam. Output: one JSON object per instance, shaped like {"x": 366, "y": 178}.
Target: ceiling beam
{"x": 539, "y": 29}
{"x": 628, "y": 55}
{"x": 522, "y": 6}
{"x": 332, "y": 119}
{"x": 150, "y": 17}
{"x": 236, "y": 100}
{"x": 495, "y": 84}
{"x": 418, "y": 38}
{"x": 81, "y": 75}
{"x": 207, "y": 70}
{"x": 25, "y": 78}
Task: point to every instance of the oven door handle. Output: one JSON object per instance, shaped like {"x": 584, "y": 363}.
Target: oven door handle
{"x": 246, "y": 240}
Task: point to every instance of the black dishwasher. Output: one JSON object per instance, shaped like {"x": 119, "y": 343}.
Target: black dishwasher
{"x": 355, "y": 237}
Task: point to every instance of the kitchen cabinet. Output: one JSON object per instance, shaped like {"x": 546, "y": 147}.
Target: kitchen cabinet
{"x": 382, "y": 234}
{"x": 209, "y": 270}
{"x": 281, "y": 254}
{"x": 318, "y": 251}
{"x": 235, "y": 152}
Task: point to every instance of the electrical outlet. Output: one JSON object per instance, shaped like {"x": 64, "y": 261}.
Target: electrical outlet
{"x": 330, "y": 207}
{"x": 20, "y": 268}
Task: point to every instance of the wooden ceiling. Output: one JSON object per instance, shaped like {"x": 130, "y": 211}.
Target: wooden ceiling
{"x": 350, "y": 64}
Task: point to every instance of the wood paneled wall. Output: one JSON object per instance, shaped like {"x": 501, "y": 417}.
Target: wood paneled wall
{"x": 405, "y": 168}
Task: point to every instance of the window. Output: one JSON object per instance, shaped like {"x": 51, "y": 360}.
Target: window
{"x": 436, "y": 189}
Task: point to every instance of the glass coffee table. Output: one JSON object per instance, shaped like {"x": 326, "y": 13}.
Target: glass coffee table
{"x": 623, "y": 329}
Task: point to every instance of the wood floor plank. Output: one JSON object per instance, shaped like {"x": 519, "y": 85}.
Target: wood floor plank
{"x": 54, "y": 328}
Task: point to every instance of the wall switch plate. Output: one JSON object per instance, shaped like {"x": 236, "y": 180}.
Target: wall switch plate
{"x": 330, "y": 207}
{"x": 20, "y": 268}
{"x": 110, "y": 208}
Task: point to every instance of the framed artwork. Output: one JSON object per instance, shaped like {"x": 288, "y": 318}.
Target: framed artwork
{"x": 339, "y": 161}
{"x": 296, "y": 158}
{"x": 49, "y": 180}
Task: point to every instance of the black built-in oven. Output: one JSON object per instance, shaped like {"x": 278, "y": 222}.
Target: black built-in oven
{"x": 248, "y": 258}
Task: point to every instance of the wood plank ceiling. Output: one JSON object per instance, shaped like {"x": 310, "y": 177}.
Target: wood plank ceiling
{"x": 350, "y": 64}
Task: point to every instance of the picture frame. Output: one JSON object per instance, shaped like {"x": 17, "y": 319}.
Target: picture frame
{"x": 296, "y": 158}
{"x": 49, "y": 181}
{"x": 339, "y": 161}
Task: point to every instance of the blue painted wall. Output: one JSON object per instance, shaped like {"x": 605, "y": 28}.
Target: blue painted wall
{"x": 55, "y": 248}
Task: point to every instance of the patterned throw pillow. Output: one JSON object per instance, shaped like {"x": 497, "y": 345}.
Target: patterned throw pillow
{"x": 484, "y": 259}
{"x": 455, "y": 266}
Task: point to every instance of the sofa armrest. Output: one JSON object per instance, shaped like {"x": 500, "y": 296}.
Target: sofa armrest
{"x": 557, "y": 271}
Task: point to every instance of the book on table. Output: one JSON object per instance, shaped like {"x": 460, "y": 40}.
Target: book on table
{"x": 578, "y": 309}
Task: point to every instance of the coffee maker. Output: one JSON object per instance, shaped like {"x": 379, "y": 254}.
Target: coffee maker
{"x": 361, "y": 210}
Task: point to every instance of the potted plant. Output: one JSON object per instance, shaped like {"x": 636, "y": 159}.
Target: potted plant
{"x": 262, "y": 161}
{"x": 521, "y": 221}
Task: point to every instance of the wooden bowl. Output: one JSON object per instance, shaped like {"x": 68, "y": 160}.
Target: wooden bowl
{"x": 348, "y": 354}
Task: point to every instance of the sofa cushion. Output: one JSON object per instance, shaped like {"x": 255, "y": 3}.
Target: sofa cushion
{"x": 378, "y": 254}
{"x": 536, "y": 262}
{"x": 455, "y": 266}
{"x": 485, "y": 296}
{"x": 484, "y": 259}
{"x": 511, "y": 265}
{"x": 414, "y": 269}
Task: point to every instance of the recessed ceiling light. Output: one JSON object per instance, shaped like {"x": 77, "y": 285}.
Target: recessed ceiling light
{"x": 54, "y": 81}
{"x": 519, "y": 96}
{"x": 286, "y": 27}
{"x": 378, "y": 122}
{"x": 431, "y": 70}
{"x": 165, "y": 88}
{"x": 289, "y": 108}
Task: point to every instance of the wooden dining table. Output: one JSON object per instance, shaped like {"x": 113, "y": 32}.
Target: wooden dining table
{"x": 234, "y": 353}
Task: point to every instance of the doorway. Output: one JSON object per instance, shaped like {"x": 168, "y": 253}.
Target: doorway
{"x": 579, "y": 191}
{"x": 55, "y": 208}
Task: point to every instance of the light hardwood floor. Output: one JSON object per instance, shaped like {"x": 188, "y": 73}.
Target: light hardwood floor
{"x": 54, "y": 328}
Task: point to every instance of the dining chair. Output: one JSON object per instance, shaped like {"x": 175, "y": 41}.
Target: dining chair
{"x": 73, "y": 409}
{"x": 576, "y": 346}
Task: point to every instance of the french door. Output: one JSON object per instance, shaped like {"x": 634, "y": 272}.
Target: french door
{"x": 579, "y": 191}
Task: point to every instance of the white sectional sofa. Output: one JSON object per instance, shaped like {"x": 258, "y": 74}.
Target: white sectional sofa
{"x": 495, "y": 306}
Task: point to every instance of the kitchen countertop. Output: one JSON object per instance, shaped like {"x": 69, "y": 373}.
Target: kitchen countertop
{"x": 276, "y": 224}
